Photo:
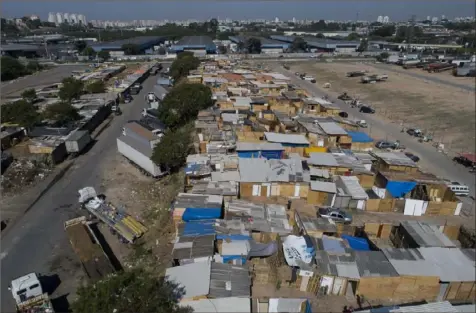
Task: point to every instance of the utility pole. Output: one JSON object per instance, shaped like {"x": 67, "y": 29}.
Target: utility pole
{"x": 410, "y": 32}
{"x": 46, "y": 48}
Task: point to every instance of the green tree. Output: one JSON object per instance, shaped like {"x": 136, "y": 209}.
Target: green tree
{"x": 34, "y": 66}
{"x": 353, "y": 36}
{"x": 20, "y": 112}
{"x": 88, "y": 51}
{"x": 383, "y": 56}
{"x": 253, "y": 45}
{"x": 130, "y": 291}
{"x": 222, "y": 49}
{"x": 162, "y": 51}
{"x": 29, "y": 95}
{"x": 61, "y": 112}
{"x": 173, "y": 148}
{"x": 80, "y": 45}
{"x": 182, "y": 66}
{"x": 240, "y": 46}
{"x": 213, "y": 24}
{"x": 11, "y": 68}
{"x": 71, "y": 89}
{"x": 97, "y": 86}
{"x": 185, "y": 54}
{"x": 130, "y": 49}
{"x": 183, "y": 103}
{"x": 364, "y": 43}
{"x": 105, "y": 55}
{"x": 298, "y": 44}
{"x": 320, "y": 35}
{"x": 384, "y": 31}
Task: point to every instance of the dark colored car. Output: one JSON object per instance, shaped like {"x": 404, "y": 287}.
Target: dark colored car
{"x": 343, "y": 114}
{"x": 412, "y": 157}
{"x": 366, "y": 109}
{"x": 336, "y": 215}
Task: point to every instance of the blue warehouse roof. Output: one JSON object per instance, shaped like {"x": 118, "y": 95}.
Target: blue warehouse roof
{"x": 266, "y": 43}
{"x": 195, "y": 42}
{"x": 320, "y": 43}
{"x": 360, "y": 137}
{"x": 144, "y": 42}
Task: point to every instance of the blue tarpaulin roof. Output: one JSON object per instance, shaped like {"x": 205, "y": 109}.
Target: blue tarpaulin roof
{"x": 332, "y": 245}
{"x": 356, "y": 243}
{"x": 194, "y": 214}
{"x": 398, "y": 189}
{"x": 360, "y": 137}
{"x": 199, "y": 228}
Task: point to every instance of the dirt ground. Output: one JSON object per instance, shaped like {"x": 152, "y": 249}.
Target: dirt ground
{"x": 148, "y": 200}
{"x": 445, "y": 111}
{"x": 446, "y": 76}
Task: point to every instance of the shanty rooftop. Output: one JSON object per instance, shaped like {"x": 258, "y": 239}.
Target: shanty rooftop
{"x": 262, "y": 170}
{"x": 229, "y": 281}
{"x": 286, "y": 138}
{"x": 187, "y": 248}
{"x": 395, "y": 158}
{"x": 189, "y": 200}
{"x": 426, "y": 235}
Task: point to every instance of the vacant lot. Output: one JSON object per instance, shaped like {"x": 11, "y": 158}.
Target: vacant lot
{"x": 447, "y": 112}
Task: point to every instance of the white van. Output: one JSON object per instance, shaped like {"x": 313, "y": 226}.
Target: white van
{"x": 459, "y": 190}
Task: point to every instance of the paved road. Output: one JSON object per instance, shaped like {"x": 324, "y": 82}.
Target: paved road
{"x": 434, "y": 78}
{"x": 36, "y": 243}
{"x": 435, "y": 162}
{"x": 54, "y": 75}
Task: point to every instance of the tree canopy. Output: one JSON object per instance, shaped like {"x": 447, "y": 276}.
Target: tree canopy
{"x": 364, "y": 43}
{"x": 80, "y": 45}
{"x": 130, "y": 49}
{"x": 253, "y": 45}
{"x": 298, "y": 44}
{"x": 182, "y": 66}
{"x": 72, "y": 89}
{"x": 97, "y": 86}
{"x": 61, "y": 112}
{"x": 12, "y": 68}
{"x": 183, "y": 103}
{"x": 384, "y": 31}
{"x": 130, "y": 291}
{"x": 29, "y": 95}
{"x": 20, "y": 112}
{"x": 105, "y": 55}
{"x": 88, "y": 51}
{"x": 173, "y": 148}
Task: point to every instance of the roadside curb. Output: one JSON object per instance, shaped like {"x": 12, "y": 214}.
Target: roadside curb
{"x": 43, "y": 188}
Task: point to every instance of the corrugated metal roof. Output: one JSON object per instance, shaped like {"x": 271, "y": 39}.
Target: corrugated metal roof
{"x": 395, "y": 158}
{"x": 193, "y": 247}
{"x": 323, "y": 186}
{"x": 262, "y": 170}
{"x": 426, "y": 235}
{"x": 374, "y": 264}
{"x": 353, "y": 187}
{"x": 319, "y": 172}
{"x": 435, "y": 307}
{"x": 189, "y": 200}
{"x": 322, "y": 159}
{"x": 258, "y": 146}
{"x": 465, "y": 308}
{"x": 229, "y": 281}
{"x": 286, "y": 138}
{"x": 222, "y": 305}
{"x": 194, "y": 278}
{"x": 452, "y": 264}
{"x": 285, "y": 305}
{"x": 332, "y": 128}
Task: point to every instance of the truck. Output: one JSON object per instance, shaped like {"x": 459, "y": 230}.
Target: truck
{"x": 77, "y": 141}
{"x": 87, "y": 247}
{"x": 139, "y": 154}
{"x": 440, "y": 67}
{"x": 119, "y": 222}
{"x": 29, "y": 296}
{"x": 407, "y": 64}
{"x": 135, "y": 89}
{"x": 373, "y": 78}
{"x": 154, "y": 113}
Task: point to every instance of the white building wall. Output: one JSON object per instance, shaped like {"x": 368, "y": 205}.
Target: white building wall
{"x": 272, "y": 50}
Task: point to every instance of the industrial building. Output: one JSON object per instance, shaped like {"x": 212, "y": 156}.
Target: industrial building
{"x": 196, "y": 44}
{"x": 268, "y": 46}
{"x": 145, "y": 44}
{"x": 323, "y": 45}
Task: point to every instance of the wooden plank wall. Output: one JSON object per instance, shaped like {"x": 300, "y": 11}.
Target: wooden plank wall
{"x": 461, "y": 291}
{"x": 378, "y": 230}
{"x": 402, "y": 288}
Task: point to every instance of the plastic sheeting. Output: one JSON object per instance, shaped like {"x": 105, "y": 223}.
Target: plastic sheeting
{"x": 198, "y": 229}
{"x": 297, "y": 250}
{"x": 262, "y": 249}
{"x": 195, "y": 214}
{"x": 398, "y": 189}
{"x": 360, "y": 137}
{"x": 356, "y": 243}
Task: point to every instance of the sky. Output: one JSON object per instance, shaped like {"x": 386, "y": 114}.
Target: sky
{"x": 245, "y": 9}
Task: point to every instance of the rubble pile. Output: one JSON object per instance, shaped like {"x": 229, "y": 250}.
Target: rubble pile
{"x": 22, "y": 173}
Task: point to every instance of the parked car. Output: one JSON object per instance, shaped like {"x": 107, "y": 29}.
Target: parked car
{"x": 343, "y": 114}
{"x": 366, "y": 109}
{"x": 414, "y": 132}
{"x": 336, "y": 215}
{"x": 384, "y": 144}
{"x": 412, "y": 157}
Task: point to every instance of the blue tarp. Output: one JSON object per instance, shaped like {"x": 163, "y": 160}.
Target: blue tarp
{"x": 356, "y": 243}
{"x": 229, "y": 258}
{"x": 248, "y": 154}
{"x": 195, "y": 214}
{"x": 398, "y": 189}
{"x": 192, "y": 168}
{"x": 233, "y": 237}
{"x": 332, "y": 245}
{"x": 308, "y": 307}
{"x": 199, "y": 228}
{"x": 268, "y": 154}
{"x": 360, "y": 137}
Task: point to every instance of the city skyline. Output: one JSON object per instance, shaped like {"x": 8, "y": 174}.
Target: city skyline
{"x": 284, "y": 10}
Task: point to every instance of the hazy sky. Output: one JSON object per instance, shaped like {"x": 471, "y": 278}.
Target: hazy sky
{"x": 195, "y": 9}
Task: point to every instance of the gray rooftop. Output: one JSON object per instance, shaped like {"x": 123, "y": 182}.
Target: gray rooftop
{"x": 189, "y": 200}
{"x": 137, "y": 145}
{"x": 342, "y": 265}
{"x": 195, "y": 41}
{"x": 352, "y": 187}
{"x": 286, "y": 138}
{"x": 194, "y": 278}
{"x": 226, "y": 176}
{"x": 262, "y": 170}
{"x": 395, "y": 158}
{"x": 193, "y": 247}
{"x": 219, "y": 188}
{"x": 229, "y": 281}
{"x": 312, "y": 224}
{"x": 332, "y": 128}
{"x": 323, "y": 186}
{"x": 451, "y": 264}
{"x": 262, "y": 146}
{"x": 322, "y": 159}
{"x": 374, "y": 264}
{"x": 426, "y": 235}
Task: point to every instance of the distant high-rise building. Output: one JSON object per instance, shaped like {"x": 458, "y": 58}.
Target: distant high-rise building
{"x": 52, "y": 17}
{"x": 428, "y": 18}
{"x": 82, "y": 19}
{"x": 386, "y": 20}
{"x": 276, "y": 20}
{"x": 294, "y": 20}
{"x": 443, "y": 17}
{"x": 66, "y": 18}
{"x": 380, "y": 19}
{"x": 59, "y": 18}
{"x": 434, "y": 20}
{"x": 73, "y": 18}
{"x": 34, "y": 17}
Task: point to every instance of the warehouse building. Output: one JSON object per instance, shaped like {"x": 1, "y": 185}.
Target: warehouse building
{"x": 199, "y": 45}
{"x": 145, "y": 43}
{"x": 268, "y": 46}
{"x": 323, "y": 45}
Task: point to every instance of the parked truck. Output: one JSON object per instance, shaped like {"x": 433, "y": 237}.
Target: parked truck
{"x": 87, "y": 247}
{"x": 138, "y": 154}
{"x": 125, "y": 226}
{"x": 29, "y": 296}
{"x": 77, "y": 141}
{"x": 407, "y": 64}
{"x": 440, "y": 67}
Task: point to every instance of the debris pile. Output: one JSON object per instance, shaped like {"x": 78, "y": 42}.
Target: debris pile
{"x": 23, "y": 173}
